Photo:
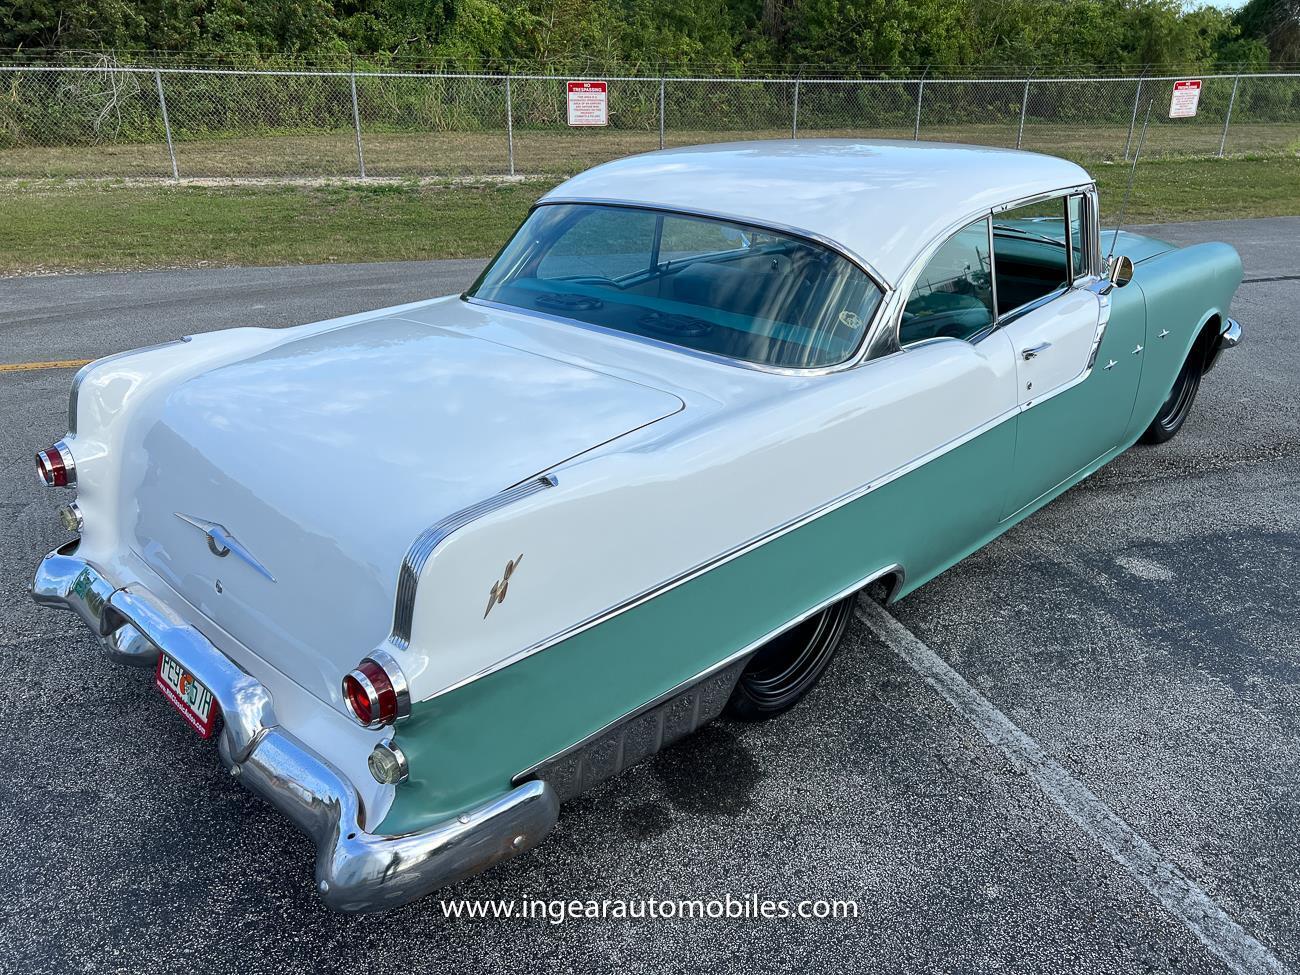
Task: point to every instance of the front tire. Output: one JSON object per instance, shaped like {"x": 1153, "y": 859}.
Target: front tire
{"x": 787, "y": 667}
{"x": 1178, "y": 404}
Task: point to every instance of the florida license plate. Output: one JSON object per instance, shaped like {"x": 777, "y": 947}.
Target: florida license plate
{"x": 194, "y": 701}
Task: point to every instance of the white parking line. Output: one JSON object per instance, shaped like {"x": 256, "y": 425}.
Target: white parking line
{"x": 1183, "y": 898}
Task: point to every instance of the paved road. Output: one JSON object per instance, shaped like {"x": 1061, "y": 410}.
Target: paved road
{"x": 1140, "y": 631}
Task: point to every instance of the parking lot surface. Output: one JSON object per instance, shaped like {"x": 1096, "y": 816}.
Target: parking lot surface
{"x": 1140, "y": 632}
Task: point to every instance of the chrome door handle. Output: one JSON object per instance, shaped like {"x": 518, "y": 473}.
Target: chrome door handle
{"x": 1033, "y": 350}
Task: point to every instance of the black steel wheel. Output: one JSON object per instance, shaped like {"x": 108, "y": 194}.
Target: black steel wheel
{"x": 785, "y": 668}
{"x": 1178, "y": 404}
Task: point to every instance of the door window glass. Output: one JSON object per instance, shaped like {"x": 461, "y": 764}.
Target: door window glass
{"x": 1029, "y": 253}
{"x": 953, "y": 297}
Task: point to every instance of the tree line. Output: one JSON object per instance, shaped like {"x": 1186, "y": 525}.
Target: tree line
{"x": 887, "y": 37}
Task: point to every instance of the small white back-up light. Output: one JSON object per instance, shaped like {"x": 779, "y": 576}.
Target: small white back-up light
{"x": 70, "y": 515}
{"x": 387, "y": 764}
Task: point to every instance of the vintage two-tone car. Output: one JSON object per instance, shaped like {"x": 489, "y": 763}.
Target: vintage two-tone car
{"x": 434, "y": 569}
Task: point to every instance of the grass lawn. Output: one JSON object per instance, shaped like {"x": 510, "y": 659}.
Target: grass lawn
{"x": 448, "y": 155}
{"x": 83, "y": 226}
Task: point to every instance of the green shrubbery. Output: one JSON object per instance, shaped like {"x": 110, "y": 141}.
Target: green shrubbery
{"x": 891, "y": 36}
{"x": 877, "y": 39}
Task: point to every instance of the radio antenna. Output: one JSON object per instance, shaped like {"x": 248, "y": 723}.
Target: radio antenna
{"x": 1131, "y": 173}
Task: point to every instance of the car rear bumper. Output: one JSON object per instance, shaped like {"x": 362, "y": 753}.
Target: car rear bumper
{"x": 355, "y": 870}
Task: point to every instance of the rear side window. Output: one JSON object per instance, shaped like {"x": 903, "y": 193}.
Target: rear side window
{"x": 1030, "y": 257}
{"x": 953, "y": 297}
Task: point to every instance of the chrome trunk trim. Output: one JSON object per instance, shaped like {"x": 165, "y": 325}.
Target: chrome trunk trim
{"x": 418, "y": 555}
{"x": 75, "y": 392}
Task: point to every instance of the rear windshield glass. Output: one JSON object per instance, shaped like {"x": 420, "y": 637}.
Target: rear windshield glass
{"x": 704, "y": 284}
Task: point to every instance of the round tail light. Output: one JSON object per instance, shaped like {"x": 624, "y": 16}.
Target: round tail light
{"x": 55, "y": 466}
{"x": 375, "y": 693}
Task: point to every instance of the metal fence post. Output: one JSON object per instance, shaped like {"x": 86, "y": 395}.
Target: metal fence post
{"x": 356, "y": 123}
{"x": 510, "y": 129}
{"x": 167, "y": 124}
{"x": 794, "y": 116}
{"x": 920, "y": 90}
{"x": 1132, "y": 122}
{"x": 661, "y": 113}
{"x": 1024, "y": 105}
{"x": 1232, "y": 100}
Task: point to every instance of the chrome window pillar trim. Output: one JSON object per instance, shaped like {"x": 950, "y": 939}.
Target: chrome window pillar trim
{"x": 356, "y": 869}
{"x": 894, "y": 569}
{"x": 735, "y": 552}
{"x": 993, "y": 272}
{"x": 418, "y": 555}
{"x": 1069, "y": 244}
{"x": 1094, "y": 231}
{"x": 1040, "y": 197}
{"x": 75, "y": 392}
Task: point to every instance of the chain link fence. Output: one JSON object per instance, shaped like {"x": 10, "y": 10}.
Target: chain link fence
{"x": 193, "y": 122}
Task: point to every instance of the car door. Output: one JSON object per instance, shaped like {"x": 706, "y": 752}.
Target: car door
{"x": 960, "y": 407}
{"x": 1076, "y": 391}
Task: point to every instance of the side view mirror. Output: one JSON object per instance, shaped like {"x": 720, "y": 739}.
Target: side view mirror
{"x": 1120, "y": 271}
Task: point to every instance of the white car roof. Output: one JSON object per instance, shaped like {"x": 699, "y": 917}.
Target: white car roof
{"x": 881, "y": 201}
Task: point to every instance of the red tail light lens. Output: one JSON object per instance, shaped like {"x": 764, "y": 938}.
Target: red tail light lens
{"x": 375, "y": 693}
{"x": 55, "y": 467}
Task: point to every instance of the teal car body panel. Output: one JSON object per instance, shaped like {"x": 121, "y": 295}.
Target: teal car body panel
{"x": 513, "y": 719}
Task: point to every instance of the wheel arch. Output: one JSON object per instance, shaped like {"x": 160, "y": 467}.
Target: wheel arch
{"x": 892, "y": 580}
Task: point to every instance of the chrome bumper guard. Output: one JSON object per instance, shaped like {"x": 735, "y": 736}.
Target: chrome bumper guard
{"x": 1229, "y": 338}
{"x": 355, "y": 870}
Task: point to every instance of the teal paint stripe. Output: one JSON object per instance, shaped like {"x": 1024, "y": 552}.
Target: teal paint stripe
{"x": 465, "y": 746}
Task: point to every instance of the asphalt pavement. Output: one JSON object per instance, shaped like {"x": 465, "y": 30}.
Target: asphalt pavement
{"x": 1075, "y": 751}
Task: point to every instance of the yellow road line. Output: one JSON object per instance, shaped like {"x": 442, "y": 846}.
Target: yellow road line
{"x": 35, "y": 366}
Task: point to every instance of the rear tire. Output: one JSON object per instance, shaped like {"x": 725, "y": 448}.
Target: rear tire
{"x": 787, "y": 667}
{"x": 1178, "y": 404}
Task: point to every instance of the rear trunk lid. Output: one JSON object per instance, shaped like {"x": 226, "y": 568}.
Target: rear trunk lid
{"x": 326, "y": 456}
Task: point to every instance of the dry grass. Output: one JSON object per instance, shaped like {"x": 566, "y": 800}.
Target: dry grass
{"x": 561, "y": 152}
{"x": 108, "y": 224}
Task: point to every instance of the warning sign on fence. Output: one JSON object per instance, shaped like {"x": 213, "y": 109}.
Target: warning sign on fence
{"x": 589, "y": 103}
{"x": 1185, "y": 98}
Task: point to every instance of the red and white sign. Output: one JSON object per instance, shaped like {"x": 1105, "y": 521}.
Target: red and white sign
{"x": 1185, "y": 98}
{"x": 589, "y": 103}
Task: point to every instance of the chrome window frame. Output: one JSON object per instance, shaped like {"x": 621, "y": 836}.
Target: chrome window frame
{"x": 859, "y": 354}
{"x": 1001, "y": 317}
{"x": 889, "y": 341}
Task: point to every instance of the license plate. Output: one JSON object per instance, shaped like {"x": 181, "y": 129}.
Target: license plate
{"x": 194, "y": 701}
